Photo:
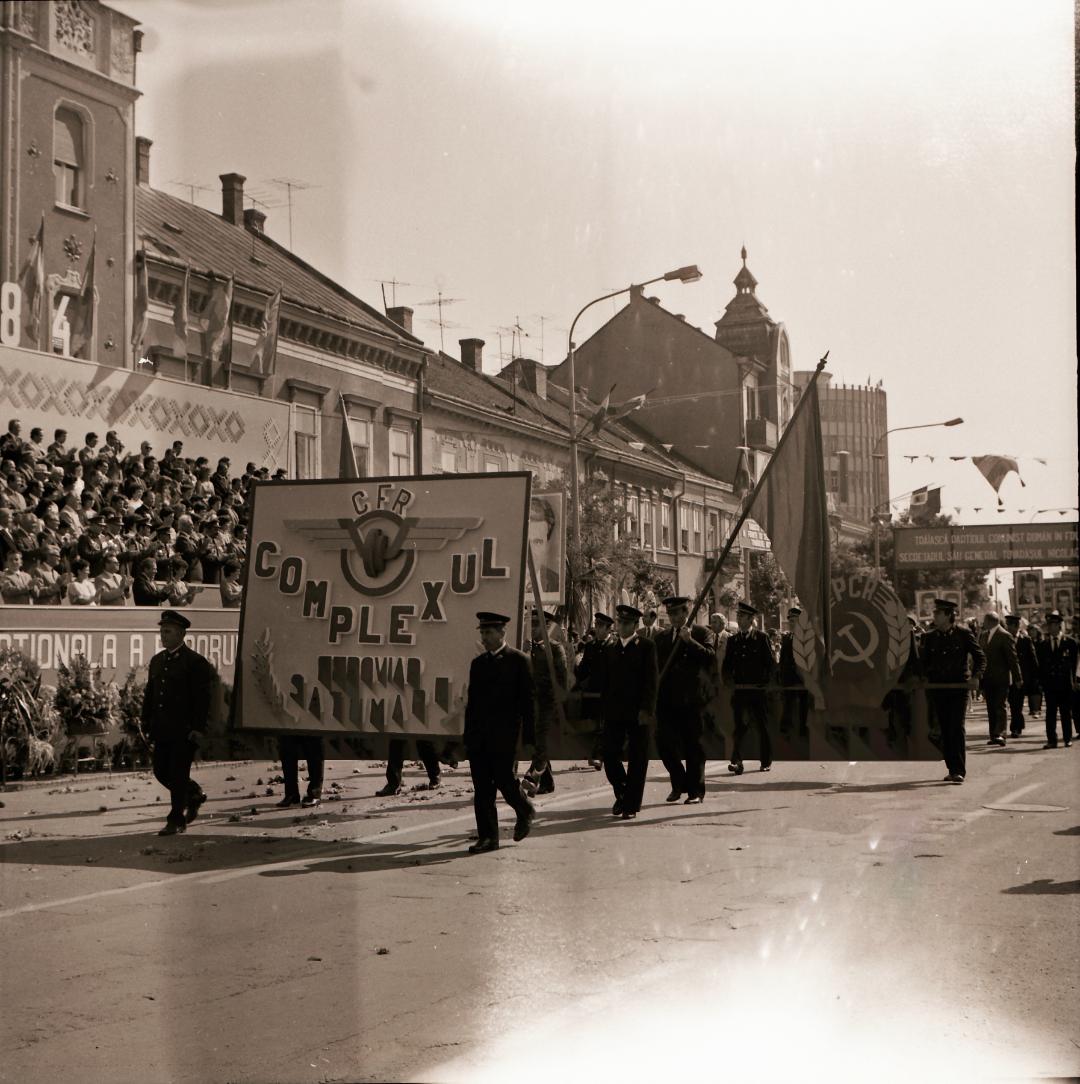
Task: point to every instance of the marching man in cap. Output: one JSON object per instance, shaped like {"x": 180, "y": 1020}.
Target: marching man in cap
{"x": 538, "y": 779}
{"x": 628, "y": 705}
{"x": 944, "y": 656}
{"x": 682, "y": 696}
{"x": 1057, "y": 657}
{"x": 749, "y": 661}
{"x": 175, "y": 707}
{"x": 590, "y": 679}
{"x": 500, "y": 707}
{"x": 796, "y": 698}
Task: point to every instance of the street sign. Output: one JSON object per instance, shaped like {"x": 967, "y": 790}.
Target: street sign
{"x": 1005, "y": 545}
{"x": 361, "y": 596}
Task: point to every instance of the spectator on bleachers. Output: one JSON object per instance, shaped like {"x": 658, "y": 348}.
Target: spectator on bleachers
{"x": 50, "y": 584}
{"x": 90, "y": 545}
{"x": 16, "y": 584}
{"x": 188, "y": 546}
{"x": 231, "y": 589}
{"x": 88, "y": 453}
{"x": 177, "y": 591}
{"x": 145, "y": 589}
{"x": 82, "y": 591}
{"x": 57, "y": 451}
{"x": 113, "y": 586}
{"x": 11, "y": 442}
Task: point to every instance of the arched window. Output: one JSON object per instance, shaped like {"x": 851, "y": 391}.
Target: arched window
{"x": 69, "y": 158}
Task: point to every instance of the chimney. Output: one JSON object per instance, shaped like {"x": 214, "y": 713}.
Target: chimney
{"x": 402, "y": 316}
{"x": 472, "y": 354}
{"x": 533, "y": 376}
{"x": 232, "y": 198}
{"x": 142, "y": 159}
{"x": 254, "y": 220}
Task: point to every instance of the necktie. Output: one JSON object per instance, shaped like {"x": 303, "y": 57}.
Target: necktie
{"x": 1053, "y": 643}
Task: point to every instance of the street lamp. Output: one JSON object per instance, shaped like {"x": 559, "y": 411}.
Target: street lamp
{"x": 689, "y": 273}
{"x": 876, "y": 454}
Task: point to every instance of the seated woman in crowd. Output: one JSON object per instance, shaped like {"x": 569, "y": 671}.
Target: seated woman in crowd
{"x": 82, "y": 591}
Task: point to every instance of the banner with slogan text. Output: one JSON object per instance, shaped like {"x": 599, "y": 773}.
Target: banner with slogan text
{"x": 1004, "y": 545}
{"x": 361, "y": 596}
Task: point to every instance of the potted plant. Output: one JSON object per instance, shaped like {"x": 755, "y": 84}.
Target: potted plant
{"x": 29, "y": 723}
{"x": 86, "y": 701}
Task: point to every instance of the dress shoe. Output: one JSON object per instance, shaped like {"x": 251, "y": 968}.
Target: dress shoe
{"x": 674, "y": 796}
{"x": 171, "y": 829}
{"x": 1001, "y": 742}
{"x": 1068, "y": 745}
{"x": 528, "y": 786}
{"x": 766, "y": 768}
{"x": 388, "y": 791}
{"x": 617, "y": 808}
{"x": 546, "y": 788}
{"x": 992, "y": 741}
{"x": 287, "y": 802}
{"x": 481, "y": 846}
{"x": 433, "y": 783}
{"x": 957, "y": 779}
{"x": 1050, "y": 745}
{"x": 192, "y": 810}
{"x": 524, "y": 825}
{"x": 629, "y": 814}
{"x": 694, "y": 799}
{"x": 736, "y": 769}
{"x": 309, "y": 801}
{"x": 596, "y": 765}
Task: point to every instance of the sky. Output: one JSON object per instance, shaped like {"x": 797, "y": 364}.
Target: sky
{"x": 901, "y": 176}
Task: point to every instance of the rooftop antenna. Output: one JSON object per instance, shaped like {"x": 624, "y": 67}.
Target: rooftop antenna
{"x": 393, "y": 284}
{"x": 289, "y": 183}
{"x": 192, "y": 188}
{"x": 439, "y": 301}
{"x": 541, "y": 316}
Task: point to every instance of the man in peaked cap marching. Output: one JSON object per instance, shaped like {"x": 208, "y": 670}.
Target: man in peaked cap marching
{"x": 500, "y": 707}
{"x": 1057, "y": 656}
{"x": 749, "y": 662}
{"x": 175, "y": 707}
{"x": 589, "y": 676}
{"x": 682, "y": 696}
{"x": 796, "y": 698}
{"x": 628, "y": 705}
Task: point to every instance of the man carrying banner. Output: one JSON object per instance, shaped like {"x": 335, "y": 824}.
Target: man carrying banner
{"x": 628, "y": 705}
{"x": 500, "y": 707}
{"x": 796, "y": 699}
{"x": 749, "y": 661}
{"x": 538, "y": 779}
{"x": 945, "y": 653}
{"x": 589, "y": 675}
{"x": 683, "y": 656}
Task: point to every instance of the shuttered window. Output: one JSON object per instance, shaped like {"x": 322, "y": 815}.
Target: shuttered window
{"x": 68, "y": 158}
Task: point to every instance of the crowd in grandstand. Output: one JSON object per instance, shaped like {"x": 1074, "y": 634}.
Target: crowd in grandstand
{"x": 97, "y": 524}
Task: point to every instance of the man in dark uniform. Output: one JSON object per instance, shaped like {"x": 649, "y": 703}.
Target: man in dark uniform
{"x": 292, "y": 748}
{"x": 1029, "y": 671}
{"x": 538, "y": 779}
{"x": 1057, "y": 675}
{"x": 589, "y": 679}
{"x": 1001, "y": 673}
{"x": 749, "y": 661}
{"x": 175, "y": 707}
{"x": 944, "y": 658}
{"x": 796, "y": 697}
{"x": 500, "y": 707}
{"x": 628, "y": 704}
{"x": 684, "y": 655}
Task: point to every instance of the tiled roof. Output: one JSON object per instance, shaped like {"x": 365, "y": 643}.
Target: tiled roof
{"x": 182, "y": 232}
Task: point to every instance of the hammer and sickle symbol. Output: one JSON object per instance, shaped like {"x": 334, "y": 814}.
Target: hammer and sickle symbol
{"x": 862, "y": 652}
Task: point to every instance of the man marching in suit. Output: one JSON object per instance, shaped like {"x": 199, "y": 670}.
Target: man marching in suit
{"x": 500, "y": 707}
{"x": 682, "y": 696}
{"x": 628, "y": 703}
{"x": 1057, "y": 673}
{"x": 749, "y": 661}
{"x": 1002, "y": 672}
{"x": 1029, "y": 671}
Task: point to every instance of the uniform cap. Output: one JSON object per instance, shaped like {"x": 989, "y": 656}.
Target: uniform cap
{"x": 602, "y": 619}
{"x": 794, "y": 611}
{"x": 945, "y": 604}
{"x": 627, "y": 613}
{"x": 744, "y": 607}
{"x": 1012, "y": 619}
{"x": 1053, "y": 615}
{"x": 675, "y": 601}
{"x": 487, "y": 620}
{"x": 171, "y": 617}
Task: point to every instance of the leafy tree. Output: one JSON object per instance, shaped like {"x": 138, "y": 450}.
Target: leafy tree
{"x": 768, "y": 587}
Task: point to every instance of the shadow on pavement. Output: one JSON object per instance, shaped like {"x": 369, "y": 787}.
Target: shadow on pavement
{"x": 1074, "y": 831}
{"x": 54, "y": 816}
{"x": 1044, "y": 887}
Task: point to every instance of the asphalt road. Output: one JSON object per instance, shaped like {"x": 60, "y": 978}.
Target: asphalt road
{"x": 821, "y": 921}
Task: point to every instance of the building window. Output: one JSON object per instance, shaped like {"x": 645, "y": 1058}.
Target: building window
{"x": 492, "y": 463}
{"x": 401, "y": 451}
{"x": 665, "y": 525}
{"x": 695, "y": 520}
{"x": 305, "y": 441}
{"x": 448, "y": 461}
{"x": 633, "y": 518}
{"x": 712, "y": 533}
{"x": 69, "y": 158}
{"x": 647, "y": 538}
{"x": 684, "y": 527}
{"x": 360, "y": 428}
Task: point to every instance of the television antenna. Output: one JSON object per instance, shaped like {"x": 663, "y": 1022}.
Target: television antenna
{"x": 439, "y": 301}
{"x": 393, "y": 283}
{"x": 192, "y": 187}
{"x": 289, "y": 183}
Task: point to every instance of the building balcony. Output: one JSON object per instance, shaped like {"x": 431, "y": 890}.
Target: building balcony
{"x": 761, "y": 434}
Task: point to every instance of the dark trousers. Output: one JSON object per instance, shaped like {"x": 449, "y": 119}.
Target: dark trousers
{"x": 750, "y": 708}
{"x": 1058, "y": 703}
{"x": 1035, "y": 700}
{"x": 950, "y": 710}
{"x": 997, "y": 699}
{"x": 1016, "y": 710}
{"x": 629, "y": 786}
{"x": 172, "y": 769}
{"x": 493, "y": 772}
{"x": 796, "y": 711}
{"x": 678, "y": 741}
{"x": 292, "y": 748}
{"x": 540, "y": 766}
{"x": 395, "y": 760}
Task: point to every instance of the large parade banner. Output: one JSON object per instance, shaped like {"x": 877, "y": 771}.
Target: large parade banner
{"x": 1004, "y": 545}
{"x": 361, "y": 597}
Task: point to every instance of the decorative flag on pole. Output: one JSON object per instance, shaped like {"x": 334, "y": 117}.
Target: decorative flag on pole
{"x": 82, "y": 312}
{"x": 180, "y": 318}
{"x": 596, "y": 422}
{"x": 925, "y": 504}
{"x": 32, "y": 284}
{"x": 743, "y": 481}
{"x": 609, "y": 412}
{"x": 995, "y": 469}
{"x": 218, "y": 324}
{"x": 142, "y": 306}
{"x": 265, "y": 352}
{"x": 347, "y": 468}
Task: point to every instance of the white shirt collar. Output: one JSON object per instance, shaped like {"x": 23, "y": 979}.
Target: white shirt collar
{"x": 632, "y": 636}
{"x": 499, "y": 650}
